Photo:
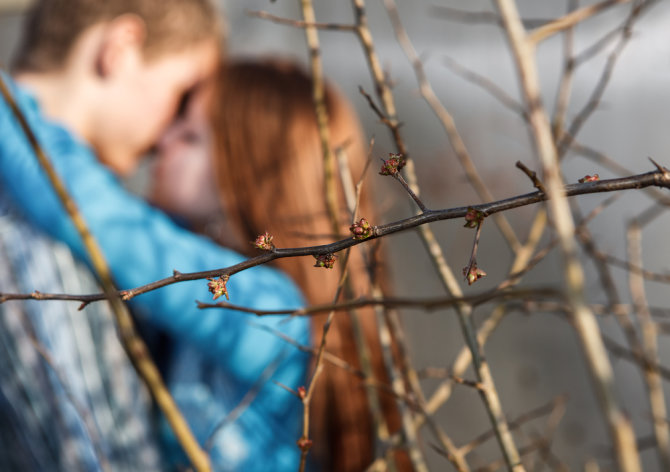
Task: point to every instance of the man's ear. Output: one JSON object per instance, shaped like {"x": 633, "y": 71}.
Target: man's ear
{"x": 122, "y": 38}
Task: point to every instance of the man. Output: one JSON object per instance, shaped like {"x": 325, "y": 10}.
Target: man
{"x": 97, "y": 82}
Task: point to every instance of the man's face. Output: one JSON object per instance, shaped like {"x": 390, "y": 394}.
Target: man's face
{"x": 144, "y": 100}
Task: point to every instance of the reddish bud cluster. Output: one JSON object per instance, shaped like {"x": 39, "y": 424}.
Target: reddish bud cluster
{"x": 474, "y": 218}
{"x": 302, "y": 392}
{"x": 218, "y": 287}
{"x": 264, "y": 242}
{"x": 392, "y": 165}
{"x": 361, "y": 230}
{"x": 589, "y": 178}
{"x": 326, "y": 261}
{"x": 304, "y": 444}
{"x": 474, "y": 274}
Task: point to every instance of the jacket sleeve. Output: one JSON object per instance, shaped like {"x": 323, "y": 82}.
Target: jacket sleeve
{"x": 142, "y": 245}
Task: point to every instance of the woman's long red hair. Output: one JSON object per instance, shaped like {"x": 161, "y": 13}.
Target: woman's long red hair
{"x": 269, "y": 168}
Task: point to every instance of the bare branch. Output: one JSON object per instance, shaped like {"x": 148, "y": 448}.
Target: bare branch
{"x": 300, "y": 24}
{"x": 639, "y": 181}
{"x": 621, "y": 430}
{"x": 570, "y": 20}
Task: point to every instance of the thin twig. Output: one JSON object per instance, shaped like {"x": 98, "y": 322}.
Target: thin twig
{"x": 486, "y": 84}
{"x": 603, "y": 81}
{"x": 246, "y": 400}
{"x": 299, "y": 24}
{"x": 428, "y": 304}
{"x": 532, "y": 175}
{"x": 518, "y": 422}
{"x": 481, "y": 17}
{"x": 410, "y": 192}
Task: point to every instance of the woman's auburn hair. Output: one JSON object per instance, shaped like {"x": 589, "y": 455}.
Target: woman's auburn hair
{"x": 269, "y": 167}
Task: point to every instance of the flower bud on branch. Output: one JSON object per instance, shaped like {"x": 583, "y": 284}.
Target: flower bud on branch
{"x": 473, "y": 218}
{"x": 361, "y": 230}
{"x": 218, "y": 287}
{"x": 392, "y": 165}
{"x": 326, "y": 261}
{"x": 473, "y": 273}
{"x": 264, "y": 242}
{"x": 304, "y": 444}
{"x": 589, "y": 178}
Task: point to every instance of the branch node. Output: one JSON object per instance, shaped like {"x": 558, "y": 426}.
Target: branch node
{"x": 662, "y": 169}
{"x": 532, "y": 175}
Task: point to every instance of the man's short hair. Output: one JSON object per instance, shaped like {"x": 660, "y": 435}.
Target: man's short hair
{"x": 53, "y": 27}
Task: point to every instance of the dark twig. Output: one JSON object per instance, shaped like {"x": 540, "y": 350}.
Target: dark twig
{"x": 300, "y": 24}
{"x": 486, "y": 84}
{"x": 380, "y": 114}
{"x": 603, "y": 81}
{"x": 532, "y": 175}
{"x": 398, "y": 176}
{"x": 244, "y": 403}
{"x": 518, "y": 421}
{"x": 479, "y": 17}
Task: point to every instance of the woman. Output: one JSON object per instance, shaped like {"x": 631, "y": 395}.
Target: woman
{"x": 262, "y": 170}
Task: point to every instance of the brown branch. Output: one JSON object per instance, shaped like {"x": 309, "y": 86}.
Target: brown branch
{"x": 391, "y": 302}
{"x": 532, "y": 175}
{"x": 518, "y": 421}
{"x": 398, "y": 176}
{"x": 638, "y": 181}
{"x": 300, "y": 24}
{"x": 481, "y": 17}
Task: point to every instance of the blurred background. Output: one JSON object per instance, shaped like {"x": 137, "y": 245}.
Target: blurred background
{"x": 534, "y": 357}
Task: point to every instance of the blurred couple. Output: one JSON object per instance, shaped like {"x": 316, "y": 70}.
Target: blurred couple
{"x": 99, "y": 83}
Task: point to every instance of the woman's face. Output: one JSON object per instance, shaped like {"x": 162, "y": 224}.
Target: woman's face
{"x": 183, "y": 182}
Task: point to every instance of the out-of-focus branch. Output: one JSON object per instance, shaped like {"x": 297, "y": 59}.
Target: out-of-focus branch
{"x": 571, "y": 19}
{"x": 567, "y": 76}
{"x": 648, "y": 330}
{"x": 318, "y": 94}
{"x": 587, "y": 328}
{"x": 594, "y": 100}
{"x": 300, "y": 24}
{"x": 14, "y": 6}
{"x": 517, "y": 422}
{"x": 479, "y": 17}
{"x": 486, "y": 84}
